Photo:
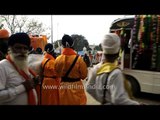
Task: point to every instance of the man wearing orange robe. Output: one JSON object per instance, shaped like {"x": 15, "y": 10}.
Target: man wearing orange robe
{"x": 71, "y": 91}
{"x": 50, "y": 83}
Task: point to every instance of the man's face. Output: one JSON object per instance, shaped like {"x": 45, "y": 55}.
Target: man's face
{"x": 20, "y": 51}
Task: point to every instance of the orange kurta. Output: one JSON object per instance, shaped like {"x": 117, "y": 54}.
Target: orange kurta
{"x": 71, "y": 93}
{"x": 50, "y": 93}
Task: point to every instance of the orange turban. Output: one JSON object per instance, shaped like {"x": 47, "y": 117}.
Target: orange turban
{"x": 4, "y": 33}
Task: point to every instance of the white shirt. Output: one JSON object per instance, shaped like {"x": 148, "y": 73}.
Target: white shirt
{"x": 12, "y": 92}
{"x": 115, "y": 94}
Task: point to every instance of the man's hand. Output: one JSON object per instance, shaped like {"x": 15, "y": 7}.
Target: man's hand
{"x": 36, "y": 80}
{"x": 28, "y": 84}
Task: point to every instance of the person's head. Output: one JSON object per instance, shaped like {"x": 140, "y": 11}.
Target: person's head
{"x": 39, "y": 50}
{"x": 67, "y": 41}
{"x": 85, "y": 54}
{"x": 18, "y": 47}
{"x": 49, "y": 49}
{"x": 4, "y": 35}
{"x": 100, "y": 46}
{"x": 111, "y": 46}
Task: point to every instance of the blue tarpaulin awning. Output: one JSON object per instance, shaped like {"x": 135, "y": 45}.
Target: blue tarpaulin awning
{"x": 80, "y": 52}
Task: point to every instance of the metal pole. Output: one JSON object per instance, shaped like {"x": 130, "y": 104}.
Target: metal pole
{"x": 57, "y": 30}
{"x": 51, "y": 30}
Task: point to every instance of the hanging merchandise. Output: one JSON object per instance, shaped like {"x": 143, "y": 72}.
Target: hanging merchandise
{"x": 146, "y": 43}
{"x": 147, "y": 31}
{"x": 122, "y": 36}
{"x": 143, "y": 51}
{"x": 158, "y": 44}
{"x": 154, "y": 46}
{"x": 139, "y": 43}
{"x": 140, "y": 61}
{"x": 135, "y": 29}
{"x": 135, "y": 40}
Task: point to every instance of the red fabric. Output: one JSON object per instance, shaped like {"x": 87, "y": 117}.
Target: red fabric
{"x": 31, "y": 96}
{"x": 38, "y": 87}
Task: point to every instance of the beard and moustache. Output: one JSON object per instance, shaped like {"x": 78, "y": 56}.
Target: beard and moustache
{"x": 20, "y": 60}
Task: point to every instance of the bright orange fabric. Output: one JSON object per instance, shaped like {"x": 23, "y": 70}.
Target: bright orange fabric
{"x": 40, "y": 41}
{"x": 64, "y": 61}
{"x": 4, "y": 33}
{"x": 50, "y": 93}
{"x": 71, "y": 93}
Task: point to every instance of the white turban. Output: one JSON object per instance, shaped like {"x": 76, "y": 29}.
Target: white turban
{"x": 111, "y": 43}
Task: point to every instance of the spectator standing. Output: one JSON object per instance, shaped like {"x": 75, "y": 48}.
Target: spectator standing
{"x": 86, "y": 59}
{"x": 4, "y": 35}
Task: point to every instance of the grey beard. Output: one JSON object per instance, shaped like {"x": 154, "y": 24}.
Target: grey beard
{"x": 21, "y": 64}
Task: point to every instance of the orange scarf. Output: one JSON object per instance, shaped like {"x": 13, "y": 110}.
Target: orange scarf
{"x": 31, "y": 96}
{"x": 68, "y": 51}
{"x": 47, "y": 55}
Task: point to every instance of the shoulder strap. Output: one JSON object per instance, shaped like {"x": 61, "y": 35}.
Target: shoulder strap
{"x": 42, "y": 81}
{"x": 105, "y": 86}
{"x": 69, "y": 70}
{"x": 105, "y": 89}
{"x": 44, "y": 65}
{"x": 43, "y": 70}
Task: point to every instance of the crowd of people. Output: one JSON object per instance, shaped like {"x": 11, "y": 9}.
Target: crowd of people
{"x": 60, "y": 78}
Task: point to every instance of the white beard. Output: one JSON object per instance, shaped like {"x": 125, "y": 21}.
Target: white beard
{"x": 21, "y": 63}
